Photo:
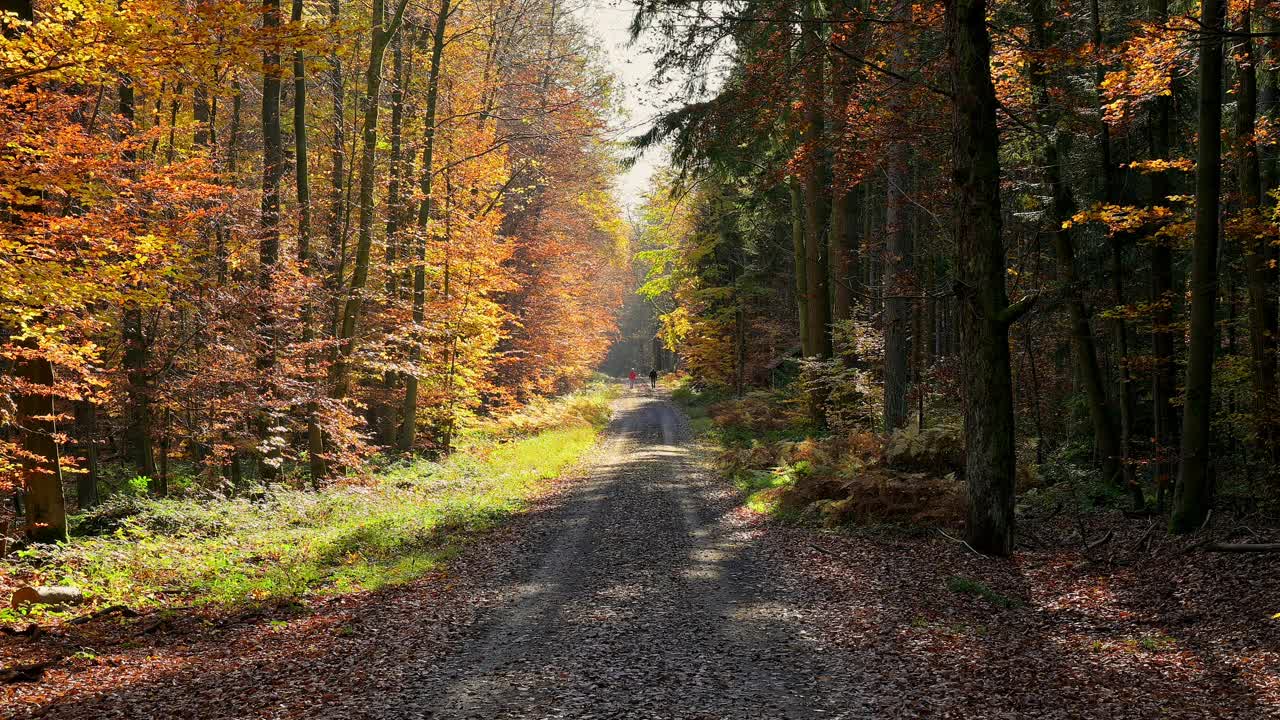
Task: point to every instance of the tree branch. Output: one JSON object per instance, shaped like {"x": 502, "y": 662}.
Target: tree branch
{"x": 1011, "y": 314}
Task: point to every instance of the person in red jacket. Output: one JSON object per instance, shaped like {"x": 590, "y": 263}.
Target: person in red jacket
{"x": 631, "y": 379}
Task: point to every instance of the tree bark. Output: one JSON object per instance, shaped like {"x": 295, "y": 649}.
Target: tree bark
{"x": 396, "y": 168}
{"x": 1259, "y": 255}
{"x": 269, "y": 242}
{"x": 135, "y": 352}
{"x": 897, "y": 285}
{"x": 898, "y": 255}
{"x": 798, "y": 256}
{"x": 409, "y": 410}
{"x": 384, "y": 412}
{"x": 1193, "y": 493}
{"x": 87, "y": 436}
{"x": 306, "y": 255}
{"x": 985, "y": 314}
{"x": 380, "y": 38}
{"x": 842, "y": 196}
{"x": 1119, "y": 328}
{"x": 41, "y": 466}
{"x": 136, "y": 358}
{"x": 1164, "y": 384}
{"x": 815, "y": 260}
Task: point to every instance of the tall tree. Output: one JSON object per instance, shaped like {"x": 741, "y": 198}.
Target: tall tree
{"x": 41, "y": 464}
{"x": 1192, "y": 495}
{"x": 795, "y": 193}
{"x": 269, "y": 243}
{"x": 306, "y": 254}
{"x": 1164, "y": 375}
{"x": 1110, "y": 193}
{"x": 135, "y": 357}
{"x": 817, "y": 298}
{"x": 409, "y": 409}
{"x": 841, "y": 241}
{"x": 382, "y": 31}
{"x": 898, "y": 256}
{"x": 1259, "y": 238}
{"x": 985, "y": 314}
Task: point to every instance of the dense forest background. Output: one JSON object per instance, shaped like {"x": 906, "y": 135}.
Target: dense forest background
{"x": 267, "y": 244}
{"x": 260, "y": 243}
{"x": 1047, "y": 227}
{"x": 965, "y": 314}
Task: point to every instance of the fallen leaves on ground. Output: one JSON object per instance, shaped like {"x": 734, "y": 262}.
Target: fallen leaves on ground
{"x": 1131, "y": 629}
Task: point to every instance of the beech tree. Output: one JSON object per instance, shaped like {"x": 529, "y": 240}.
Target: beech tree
{"x": 231, "y": 328}
{"x": 1191, "y": 500}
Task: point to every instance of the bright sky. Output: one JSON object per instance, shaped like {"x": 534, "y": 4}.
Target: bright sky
{"x": 609, "y": 20}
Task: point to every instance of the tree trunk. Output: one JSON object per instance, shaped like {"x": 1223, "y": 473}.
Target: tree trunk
{"x": 395, "y": 167}
{"x": 842, "y": 196}
{"x": 1164, "y": 384}
{"x": 409, "y": 410}
{"x": 384, "y": 411}
{"x": 898, "y": 255}
{"x": 162, "y": 476}
{"x": 1119, "y": 328}
{"x": 897, "y": 285}
{"x": 1258, "y": 248}
{"x": 202, "y": 113}
{"x": 134, "y": 356}
{"x": 815, "y": 260}
{"x": 87, "y": 436}
{"x": 985, "y": 314}
{"x": 136, "y": 359}
{"x": 798, "y": 255}
{"x": 306, "y": 255}
{"x": 41, "y": 466}
{"x": 1193, "y": 494}
{"x": 380, "y": 38}
{"x": 269, "y": 244}
{"x": 337, "y": 160}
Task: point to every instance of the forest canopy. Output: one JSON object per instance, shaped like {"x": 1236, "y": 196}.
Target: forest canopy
{"x": 1048, "y": 225}
{"x": 263, "y": 242}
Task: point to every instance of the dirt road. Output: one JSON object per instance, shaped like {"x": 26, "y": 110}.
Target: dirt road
{"x": 638, "y": 598}
{"x": 642, "y": 589}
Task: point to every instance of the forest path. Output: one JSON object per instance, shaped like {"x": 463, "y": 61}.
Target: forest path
{"x": 641, "y": 589}
{"x": 638, "y": 596}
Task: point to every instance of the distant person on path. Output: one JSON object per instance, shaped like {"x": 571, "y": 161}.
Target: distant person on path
{"x": 631, "y": 379}
{"x": 653, "y": 379}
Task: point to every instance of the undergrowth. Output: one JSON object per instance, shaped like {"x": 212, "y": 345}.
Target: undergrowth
{"x": 838, "y": 474}
{"x": 288, "y": 543}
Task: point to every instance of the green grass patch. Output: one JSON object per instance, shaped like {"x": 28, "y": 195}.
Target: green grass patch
{"x": 967, "y": 586}
{"x": 763, "y": 489}
{"x": 285, "y": 544}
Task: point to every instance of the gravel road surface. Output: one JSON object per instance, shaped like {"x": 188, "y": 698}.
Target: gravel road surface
{"x": 637, "y": 596}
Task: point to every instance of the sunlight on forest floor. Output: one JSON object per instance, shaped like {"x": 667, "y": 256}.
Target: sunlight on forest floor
{"x": 291, "y": 543}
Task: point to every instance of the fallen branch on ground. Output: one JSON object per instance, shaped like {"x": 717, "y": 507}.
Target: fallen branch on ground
{"x": 1145, "y": 536}
{"x": 1101, "y": 541}
{"x": 124, "y": 610}
{"x": 831, "y": 553}
{"x": 1242, "y": 547}
{"x": 52, "y": 595}
{"x": 31, "y": 672}
{"x": 962, "y": 542}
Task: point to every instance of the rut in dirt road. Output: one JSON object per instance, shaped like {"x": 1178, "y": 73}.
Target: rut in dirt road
{"x": 638, "y": 598}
